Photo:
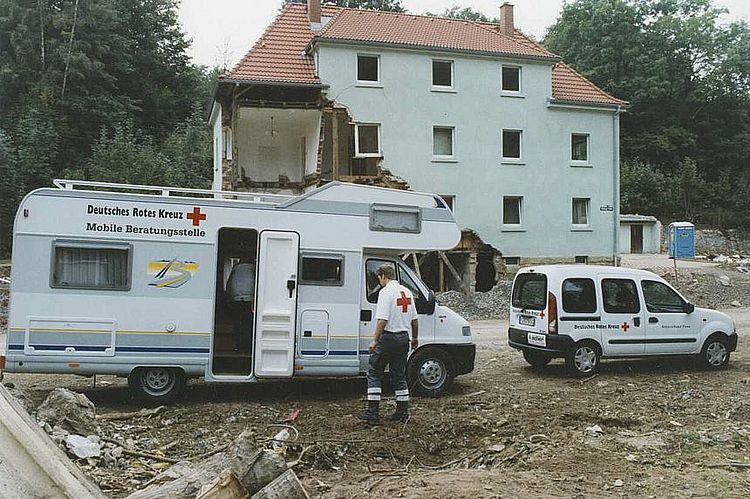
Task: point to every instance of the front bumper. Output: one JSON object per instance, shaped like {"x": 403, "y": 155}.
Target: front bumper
{"x": 558, "y": 345}
{"x": 463, "y": 357}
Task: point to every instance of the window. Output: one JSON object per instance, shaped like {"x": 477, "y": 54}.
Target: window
{"x": 580, "y": 211}
{"x": 368, "y": 68}
{"x": 450, "y": 201}
{"x": 367, "y": 140}
{"x": 511, "y": 79}
{"x": 512, "y": 210}
{"x": 660, "y": 298}
{"x": 442, "y": 74}
{"x": 511, "y": 145}
{"x": 395, "y": 218}
{"x": 442, "y": 142}
{"x": 373, "y": 286}
{"x": 322, "y": 270}
{"x": 579, "y": 296}
{"x": 582, "y": 259}
{"x": 512, "y": 260}
{"x": 620, "y": 296}
{"x": 530, "y": 291}
{"x": 579, "y": 147}
{"x": 89, "y": 266}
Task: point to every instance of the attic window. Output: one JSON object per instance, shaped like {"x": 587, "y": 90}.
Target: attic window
{"x": 511, "y": 79}
{"x": 368, "y": 69}
{"x": 395, "y": 218}
{"x": 442, "y": 74}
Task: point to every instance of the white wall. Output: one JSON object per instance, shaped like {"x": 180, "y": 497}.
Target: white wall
{"x": 407, "y": 109}
{"x": 288, "y": 148}
{"x": 218, "y": 147}
{"x": 651, "y": 237}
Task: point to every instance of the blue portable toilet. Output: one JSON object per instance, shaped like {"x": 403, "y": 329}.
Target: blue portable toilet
{"x": 681, "y": 240}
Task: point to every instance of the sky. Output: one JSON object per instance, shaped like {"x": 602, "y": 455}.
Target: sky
{"x": 222, "y": 31}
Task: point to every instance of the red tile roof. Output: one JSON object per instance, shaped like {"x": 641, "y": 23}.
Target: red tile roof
{"x": 279, "y": 55}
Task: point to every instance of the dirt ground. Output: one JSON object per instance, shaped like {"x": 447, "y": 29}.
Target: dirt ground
{"x": 651, "y": 428}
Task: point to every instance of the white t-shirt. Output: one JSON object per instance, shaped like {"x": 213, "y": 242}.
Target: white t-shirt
{"x": 396, "y": 306}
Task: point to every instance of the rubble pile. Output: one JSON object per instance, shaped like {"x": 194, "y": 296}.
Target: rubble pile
{"x": 712, "y": 290}
{"x": 740, "y": 262}
{"x": 492, "y": 304}
{"x": 4, "y": 295}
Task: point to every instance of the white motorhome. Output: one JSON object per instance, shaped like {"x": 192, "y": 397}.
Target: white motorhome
{"x": 132, "y": 280}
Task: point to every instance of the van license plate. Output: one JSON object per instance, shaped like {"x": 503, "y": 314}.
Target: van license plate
{"x": 539, "y": 340}
{"x": 525, "y": 320}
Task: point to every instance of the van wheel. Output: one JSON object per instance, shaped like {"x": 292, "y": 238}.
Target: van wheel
{"x": 537, "y": 359}
{"x": 157, "y": 385}
{"x": 430, "y": 372}
{"x": 583, "y": 359}
{"x": 715, "y": 354}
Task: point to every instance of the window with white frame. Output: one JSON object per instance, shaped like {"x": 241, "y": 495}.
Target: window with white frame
{"x": 512, "y": 210}
{"x": 442, "y": 142}
{"x": 511, "y": 145}
{"x": 450, "y": 200}
{"x": 367, "y": 140}
{"x": 581, "y": 209}
{"x": 442, "y": 74}
{"x": 579, "y": 147}
{"x": 511, "y": 79}
{"x": 368, "y": 68}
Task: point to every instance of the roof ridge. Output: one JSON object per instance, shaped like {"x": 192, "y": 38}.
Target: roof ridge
{"x": 590, "y": 83}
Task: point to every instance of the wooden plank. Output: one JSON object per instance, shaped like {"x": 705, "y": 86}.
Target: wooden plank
{"x": 453, "y": 271}
{"x": 416, "y": 265}
{"x": 286, "y": 486}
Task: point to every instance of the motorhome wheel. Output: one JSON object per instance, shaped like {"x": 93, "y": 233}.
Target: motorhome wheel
{"x": 157, "y": 384}
{"x": 430, "y": 372}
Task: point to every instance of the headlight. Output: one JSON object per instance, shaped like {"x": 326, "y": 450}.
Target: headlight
{"x": 466, "y": 330}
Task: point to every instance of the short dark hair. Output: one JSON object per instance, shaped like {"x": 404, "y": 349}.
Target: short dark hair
{"x": 386, "y": 270}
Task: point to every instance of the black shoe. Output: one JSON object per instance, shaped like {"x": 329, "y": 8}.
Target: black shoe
{"x": 401, "y": 414}
{"x": 372, "y": 414}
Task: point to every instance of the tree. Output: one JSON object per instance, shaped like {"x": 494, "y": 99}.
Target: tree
{"x": 387, "y": 5}
{"x": 466, "y": 13}
{"x": 10, "y": 188}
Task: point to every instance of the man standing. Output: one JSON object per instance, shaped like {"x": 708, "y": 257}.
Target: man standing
{"x": 396, "y": 316}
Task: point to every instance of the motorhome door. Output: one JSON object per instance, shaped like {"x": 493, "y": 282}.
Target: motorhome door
{"x": 276, "y": 304}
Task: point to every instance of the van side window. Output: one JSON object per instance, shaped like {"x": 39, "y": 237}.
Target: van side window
{"x": 322, "y": 270}
{"x": 579, "y": 296}
{"x": 91, "y": 266}
{"x": 660, "y": 298}
{"x": 620, "y": 296}
{"x": 530, "y": 291}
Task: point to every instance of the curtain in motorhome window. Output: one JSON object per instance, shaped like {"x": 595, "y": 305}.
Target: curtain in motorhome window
{"x": 91, "y": 268}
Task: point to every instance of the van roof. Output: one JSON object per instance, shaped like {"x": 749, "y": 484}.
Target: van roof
{"x": 585, "y": 270}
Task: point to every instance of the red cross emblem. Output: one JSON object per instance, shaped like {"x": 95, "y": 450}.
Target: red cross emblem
{"x": 541, "y": 314}
{"x": 196, "y": 216}
{"x": 403, "y": 302}
{"x": 625, "y": 327}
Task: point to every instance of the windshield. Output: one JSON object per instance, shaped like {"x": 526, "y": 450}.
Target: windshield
{"x": 530, "y": 291}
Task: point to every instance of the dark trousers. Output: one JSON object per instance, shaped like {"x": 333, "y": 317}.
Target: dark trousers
{"x": 391, "y": 351}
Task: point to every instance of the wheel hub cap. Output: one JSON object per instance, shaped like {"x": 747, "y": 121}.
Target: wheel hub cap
{"x": 157, "y": 379}
{"x": 716, "y": 354}
{"x": 585, "y": 359}
{"x": 431, "y": 372}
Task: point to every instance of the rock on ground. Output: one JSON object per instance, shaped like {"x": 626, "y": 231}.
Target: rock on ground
{"x": 69, "y": 410}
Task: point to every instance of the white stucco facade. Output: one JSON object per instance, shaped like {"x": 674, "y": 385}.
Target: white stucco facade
{"x": 407, "y": 107}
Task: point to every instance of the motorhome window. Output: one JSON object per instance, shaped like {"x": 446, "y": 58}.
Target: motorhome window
{"x": 88, "y": 267}
{"x": 322, "y": 270}
{"x": 530, "y": 291}
{"x": 373, "y": 286}
{"x": 620, "y": 296}
{"x": 578, "y": 296}
{"x": 393, "y": 218}
{"x": 660, "y": 298}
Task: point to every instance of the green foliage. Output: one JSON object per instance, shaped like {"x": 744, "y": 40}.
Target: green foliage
{"x": 10, "y": 191}
{"x": 387, "y": 5}
{"x": 466, "y": 13}
{"x": 102, "y": 90}
{"x": 687, "y": 78}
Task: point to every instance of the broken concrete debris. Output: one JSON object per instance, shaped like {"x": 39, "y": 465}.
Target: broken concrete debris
{"x": 71, "y": 411}
{"x": 83, "y": 447}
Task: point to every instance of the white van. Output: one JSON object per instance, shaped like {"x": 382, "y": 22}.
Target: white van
{"x": 138, "y": 281}
{"x": 583, "y": 313}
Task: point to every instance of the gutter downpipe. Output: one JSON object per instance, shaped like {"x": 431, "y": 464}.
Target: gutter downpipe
{"x": 616, "y": 185}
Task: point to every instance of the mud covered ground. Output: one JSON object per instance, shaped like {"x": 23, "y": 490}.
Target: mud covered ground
{"x": 640, "y": 428}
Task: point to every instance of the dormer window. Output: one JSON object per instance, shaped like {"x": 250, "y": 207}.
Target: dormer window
{"x": 511, "y": 79}
{"x": 368, "y": 69}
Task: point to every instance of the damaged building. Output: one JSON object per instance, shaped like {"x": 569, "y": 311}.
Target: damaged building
{"x": 523, "y": 149}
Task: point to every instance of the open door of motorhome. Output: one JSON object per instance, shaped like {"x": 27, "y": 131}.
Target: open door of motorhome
{"x": 276, "y": 304}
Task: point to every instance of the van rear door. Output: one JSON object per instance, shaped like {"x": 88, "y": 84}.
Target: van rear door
{"x": 529, "y": 306}
{"x": 276, "y": 304}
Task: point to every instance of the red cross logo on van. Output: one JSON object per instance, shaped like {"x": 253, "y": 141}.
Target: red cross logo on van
{"x": 625, "y": 327}
{"x": 541, "y": 314}
{"x": 196, "y": 216}
{"x": 403, "y": 302}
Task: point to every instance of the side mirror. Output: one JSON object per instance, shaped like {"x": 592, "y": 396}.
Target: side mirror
{"x": 426, "y": 306}
{"x": 689, "y": 308}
